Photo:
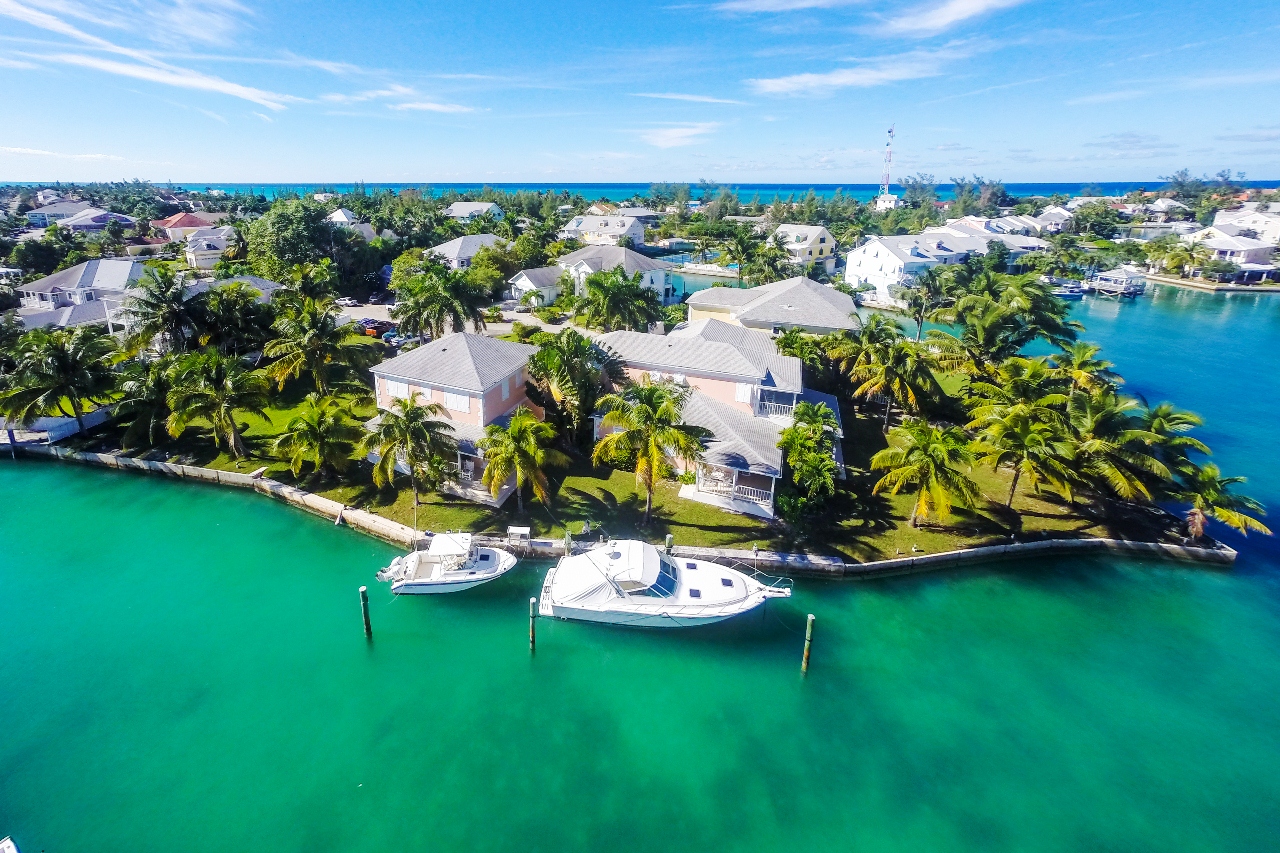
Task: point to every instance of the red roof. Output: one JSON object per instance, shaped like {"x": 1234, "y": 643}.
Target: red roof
{"x": 189, "y": 220}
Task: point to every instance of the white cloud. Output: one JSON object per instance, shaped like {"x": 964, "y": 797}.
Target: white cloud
{"x": 1261, "y": 134}
{"x": 179, "y": 77}
{"x": 15, "y": 63}
{"x": 268, "y": 119}
{"x": 392, "y": 91}
{"x": 432, "y": 107}
{"x": 1107, "y": 97}
{"x": 677, "y": 136}
{"x": 40, "y": 152}
{"x": 675, "y": 96}
{"x": 930, "y": 20}
{"x": 913, "y": 65}
{"x": 210, "y": 21}
{"x": 211, "y": 114}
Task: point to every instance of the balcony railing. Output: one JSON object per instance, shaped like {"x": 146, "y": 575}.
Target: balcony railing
{"x": 727, "y": 489}
{"x": 768, "y": 408}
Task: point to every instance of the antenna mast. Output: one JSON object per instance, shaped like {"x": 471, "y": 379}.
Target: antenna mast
{"x": 888, "y": 163}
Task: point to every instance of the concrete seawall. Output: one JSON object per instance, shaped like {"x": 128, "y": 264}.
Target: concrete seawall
{"x": 770, "y": 562}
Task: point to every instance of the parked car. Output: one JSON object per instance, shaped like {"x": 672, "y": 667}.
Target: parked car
{"x": 346, "y": 302}
{"x": 397, "y": 341}
{"x": 378, "y": 298}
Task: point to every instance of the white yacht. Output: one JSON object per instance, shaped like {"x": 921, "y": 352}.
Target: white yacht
{"x": 633, "y": 583}
{"x": 450, "y": 564}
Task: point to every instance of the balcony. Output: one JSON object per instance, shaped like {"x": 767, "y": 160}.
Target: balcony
{"x": 770, "y": 408}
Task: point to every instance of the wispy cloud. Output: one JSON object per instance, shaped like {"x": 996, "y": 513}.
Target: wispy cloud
{"x": 392, "y": 91}
{"x": 181, "y": 78}
{"x": 913, "y": 65}
{"x": 268, "y": 119}
{"x": 15, "y": 63}
{"x": 211, "y": 114}
{"x": 432, "y": 107}
{"x": 677, "y": 136}
{"x": 150, "y": 68}
{"x": 1261, "y": 134}
{"x": 676, "y": 96}
{"x": 1130, "y": 146}
{"x": 1107, "y": 97}
{"x": 1247, "y": 78}
{"x": 933, "y": 19}
{"x": 40, "y": 152}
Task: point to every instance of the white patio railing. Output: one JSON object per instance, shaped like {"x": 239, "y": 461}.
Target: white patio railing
{"x": 768, "y": 408}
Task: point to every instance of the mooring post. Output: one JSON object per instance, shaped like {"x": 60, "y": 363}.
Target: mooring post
{"x": 368, "y": 626}
{"x": 671, "y": 540}
{"x": 533, "y": 615}
{"x": 808, "y": 642}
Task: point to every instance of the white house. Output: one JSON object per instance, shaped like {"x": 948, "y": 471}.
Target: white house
{"x": 44, "y": 197}
{"x": 1238, "y": 250}
{"x": 45, "y": 216}
{"x": 343, "y": 218}
{"x": 205, "y": 246}
{"x": 457, "y": 253}
{"x": 545, "y": 281}
{"x": 1262, "y": 220}
{"x": 605, "y": 230}
{"x": 468, "y": 210}
{"x": 654, "y": 274}
{"x": 808, "y": 244}
{"x": 78, "y": 296}
{"x": 794, "y": 303}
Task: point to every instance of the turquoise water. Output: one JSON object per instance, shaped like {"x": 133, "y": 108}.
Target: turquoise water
{"x": 183, "y": 668}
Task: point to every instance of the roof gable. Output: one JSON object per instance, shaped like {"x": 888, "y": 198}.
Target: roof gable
{"x": 461, "y": 360}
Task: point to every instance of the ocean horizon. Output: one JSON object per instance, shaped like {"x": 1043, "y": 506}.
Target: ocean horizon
{"x": 623, "y": 190}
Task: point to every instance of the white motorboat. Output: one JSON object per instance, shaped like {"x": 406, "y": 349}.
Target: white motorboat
{"x": 451, "y": 564}
{"x": 7, "y": 845}
{"x": 633, "y": 583}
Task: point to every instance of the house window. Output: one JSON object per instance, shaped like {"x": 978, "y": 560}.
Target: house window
{"x": 397, "y": 390}
{"x": 457, "y": 402}
{"x": 742, "y": 393}
{"x": 506, "y": 391}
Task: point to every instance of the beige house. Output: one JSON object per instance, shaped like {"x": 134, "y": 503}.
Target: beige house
{"x": 477, "y": 379}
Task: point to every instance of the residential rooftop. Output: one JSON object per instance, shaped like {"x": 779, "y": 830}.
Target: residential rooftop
{"x": 461, "y": 360}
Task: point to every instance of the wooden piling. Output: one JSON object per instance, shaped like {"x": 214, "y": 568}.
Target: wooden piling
{"x": 368, "y": 626}
{"x": 808, "y": 642}
{"x": 533, "y": 615}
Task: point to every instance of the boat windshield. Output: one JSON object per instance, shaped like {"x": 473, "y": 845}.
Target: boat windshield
{"x": 664, "y": 585}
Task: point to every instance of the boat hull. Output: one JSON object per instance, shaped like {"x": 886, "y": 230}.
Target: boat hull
{"x": 457, "y": 581}
{"x": 644, "y": 620}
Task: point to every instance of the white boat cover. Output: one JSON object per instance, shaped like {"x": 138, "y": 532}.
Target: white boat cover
{"x": 450, "y": 545}
{"x": 585, "y": 578}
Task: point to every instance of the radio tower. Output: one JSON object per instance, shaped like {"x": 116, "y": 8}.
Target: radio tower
{"x": 886, "y": 201}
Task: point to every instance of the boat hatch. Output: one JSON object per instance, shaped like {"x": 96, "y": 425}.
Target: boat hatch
{"x": 726, "y": 582}
{"x": 695, "y": 593}
{"x": 484, "y": 558}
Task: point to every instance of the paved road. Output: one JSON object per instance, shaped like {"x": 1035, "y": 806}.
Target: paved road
{"x": 382, "y": 312}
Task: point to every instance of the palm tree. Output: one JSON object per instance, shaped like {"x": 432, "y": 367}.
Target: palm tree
{"x": 56, "y": 369}
{"x": 899, "y": 372}
{"x": 321, "y": 434}
{"x": 231, "y": 318}
{"x": 924, "y": 296}
{"x": 1109, "y": 444}
{"x": 739, "y": 249}
{"x": 1079, "y": 362}
{"x": 316, "y": 340}
{"x": 144, "y": 396}
{"x": 614, "y": 300}
{"x": 1170, "y": 427}
{"x": 1209, "y": 494}
{"x": 439, "y": 300}
{"x": 797, "y": 344}
{"x": 313, "y": 281}
{"x": 412, "y": 434}
{"x": 215, "y": 387}
{"x": 1026, "y": 445}
{"x": 703, "y": 246}
{"x": 771, "y": 262}
{"x": 520, "y": 449}
{"x": 574, "y": 372}
{"x": 644, "y": 422}
{"x": 1188, "y": 256}
{"x": 1026, "y": 385}
{"x": 158, "y": 309}
{"x": 929, "y": 458}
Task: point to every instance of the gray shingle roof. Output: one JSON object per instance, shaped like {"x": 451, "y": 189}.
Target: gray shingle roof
{"x": 541, "y": 277}
{"x": 740, "y": 440}
{"x": 108, "y": 274}
{"x": 66, "y": 208}
{"x": 463, "y": 360}
{"x": 799, "y": 302}
{"x": 84, "y": 314}
{"x": 610, "y": 257}
{"x": 710, "y": 347}
{"x": 464, "y": 247}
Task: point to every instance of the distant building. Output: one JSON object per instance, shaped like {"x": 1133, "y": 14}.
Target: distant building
{"x": 605, "y": 230}
{"x": 43, "y": 217}
{"x": 92, "y": 219}
{"x": 345, "y": 219}
{"x": 79, "y": 296}
{"x": 205, "y": 246}
{"x": 468, "y": 210}
{"x": 178, "y": 226}
{"x": 1262, "y": 220}
{"x": 809, "y": 244}
{"x": 655, "y": 274}
{"x": 457, "y": 253}
{"x": 545, "y": 281}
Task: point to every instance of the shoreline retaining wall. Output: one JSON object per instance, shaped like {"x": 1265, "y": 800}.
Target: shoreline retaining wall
{"x": 770, "y": 562}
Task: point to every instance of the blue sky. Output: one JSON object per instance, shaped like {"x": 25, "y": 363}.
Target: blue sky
{"x": 795, "y": 91}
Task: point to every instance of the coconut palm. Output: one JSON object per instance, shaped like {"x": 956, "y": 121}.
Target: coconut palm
{"x": 59, "y": 372}
{"x": 215, "y": 387}
{"x": 159, "y": 311}
{"x": 739, "y": 249}
{"x": 900, "y": 372}
{"x": 770, "y": 262}
{"x": 613, "y": 300}
{"x": 797, "y": 344}
{"x": 1210, "y": 496}
{"x": 1110, "y": 445}
{"x": 1079, "y": 363}
{"x": 924, "y": 297}
{"x": 1027, "y": 385}
{"x": 144, "y": 398}
{"x": 231, "y": 318}
{"x": 703, "y": 246}
{"x": 574, "y": 372}
{"x": 321, "y": 434}
{"x": 1186, "y": 257}
{"x": 438, "y": 302}
{"x": 644, "y": 422}
{"x": 1170, "y": 426}
{"x": 415, "y": 435}
{"x": 929, "y": 458}
{"x": 520, "y": 449}
{"x": 1017, "y": 440}
{"x": 315, "y": 339}
{"x": 989, "y": 334}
